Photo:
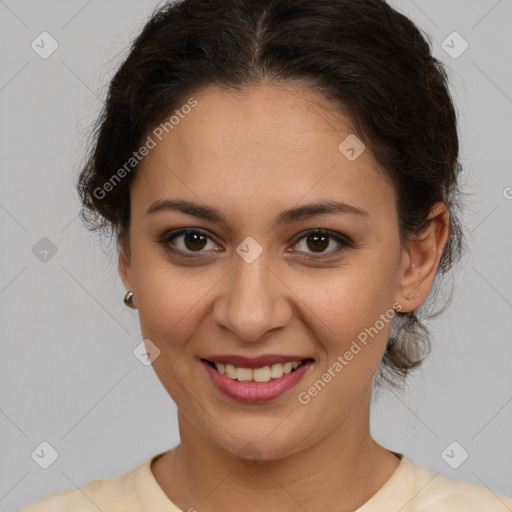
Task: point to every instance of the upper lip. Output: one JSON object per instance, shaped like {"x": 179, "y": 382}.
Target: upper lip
{"x": 254, "y": 362}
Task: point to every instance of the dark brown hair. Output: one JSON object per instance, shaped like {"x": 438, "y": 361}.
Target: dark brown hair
{"x": 367, "y": 57}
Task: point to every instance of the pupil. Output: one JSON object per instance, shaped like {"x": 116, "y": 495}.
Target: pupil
{"x": 317, "y": 243}
{"x": 196, "y": 239}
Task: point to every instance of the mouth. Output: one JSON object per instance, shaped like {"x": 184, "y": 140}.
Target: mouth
{"x": 252, "y": 383}
{"x": 258, "y": 374}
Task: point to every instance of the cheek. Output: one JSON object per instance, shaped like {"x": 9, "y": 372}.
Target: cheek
{"x": 170, "y": 298}
{"x": 170, "y": 306}
{"x": 350, "y": 319}
{"x": 345, "y": 302}
{"x": 349, "y": 313}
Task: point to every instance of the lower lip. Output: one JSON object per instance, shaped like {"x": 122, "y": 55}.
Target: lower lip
{"x": 251, "y": 391}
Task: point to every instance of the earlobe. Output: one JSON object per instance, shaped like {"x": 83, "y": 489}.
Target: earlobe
{"x": 408, "y": 295}
{"x": 421, "y": 258}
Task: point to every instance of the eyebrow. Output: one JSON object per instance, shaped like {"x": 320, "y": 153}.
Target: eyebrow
{"x": 288, "y": 216}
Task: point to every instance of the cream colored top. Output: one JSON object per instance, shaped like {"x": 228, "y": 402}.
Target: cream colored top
{"x": 411, "y": 488}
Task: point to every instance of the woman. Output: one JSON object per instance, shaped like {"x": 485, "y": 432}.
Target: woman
{"x": 281, "y": 177}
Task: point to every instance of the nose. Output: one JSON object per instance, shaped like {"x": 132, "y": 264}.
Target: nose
{"x": 252, "y": 301}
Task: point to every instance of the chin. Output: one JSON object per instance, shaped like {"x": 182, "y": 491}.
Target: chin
{"x": 261, "y": 447}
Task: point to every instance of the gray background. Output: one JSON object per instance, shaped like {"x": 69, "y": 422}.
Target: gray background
{"x": 68, "y": 375}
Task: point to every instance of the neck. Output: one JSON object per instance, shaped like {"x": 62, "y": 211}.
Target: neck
{"x": 341, "y": 471}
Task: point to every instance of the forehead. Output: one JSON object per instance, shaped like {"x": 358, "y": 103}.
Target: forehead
{"x": 264, "y": 145}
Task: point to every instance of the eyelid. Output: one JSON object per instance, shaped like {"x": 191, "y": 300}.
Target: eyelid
{"x": 340, "y": 238}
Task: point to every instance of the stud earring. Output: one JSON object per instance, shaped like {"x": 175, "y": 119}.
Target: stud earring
{"x": 128, "y": 300}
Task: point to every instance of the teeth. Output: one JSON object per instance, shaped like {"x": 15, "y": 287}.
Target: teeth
{"x": 243, "y": 373}
{"x": 230, "y": 371}
{"x": 276, "y": 371}
{"x": 263, "y": 374}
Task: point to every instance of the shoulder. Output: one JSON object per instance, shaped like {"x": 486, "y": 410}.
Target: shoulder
{"x": 83, "y": 499}
{"x": 106, "y": 494}
{"x": 435, "y": 492}
{"x": 69, "y": 500}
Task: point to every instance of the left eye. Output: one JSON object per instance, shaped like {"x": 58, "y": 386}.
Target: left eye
{"x": 319, "y": 240}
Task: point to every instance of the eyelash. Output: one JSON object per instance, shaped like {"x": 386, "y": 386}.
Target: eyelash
{"x": 343, "y": 241}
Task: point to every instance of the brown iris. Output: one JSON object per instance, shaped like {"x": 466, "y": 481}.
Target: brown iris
{"x": 318, "y": 242}
{"x": 197, "y": 241}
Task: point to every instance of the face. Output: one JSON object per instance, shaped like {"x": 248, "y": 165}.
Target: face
{"x": 260, "y": 281}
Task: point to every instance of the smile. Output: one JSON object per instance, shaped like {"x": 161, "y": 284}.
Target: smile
{"x": 262, "y": 374}
{"x": 256, "y": 383}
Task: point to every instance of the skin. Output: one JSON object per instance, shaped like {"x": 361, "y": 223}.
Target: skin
{"x": 253, "y": 154}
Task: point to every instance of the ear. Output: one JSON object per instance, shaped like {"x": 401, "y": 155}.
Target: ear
{"x": 420, "y": 259}
{"x": 124, "y": 266}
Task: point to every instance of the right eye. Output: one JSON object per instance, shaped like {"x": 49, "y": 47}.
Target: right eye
{"x": 189, "y": 241}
